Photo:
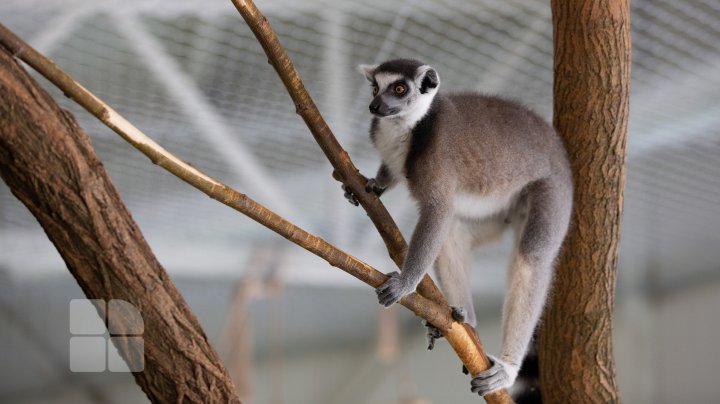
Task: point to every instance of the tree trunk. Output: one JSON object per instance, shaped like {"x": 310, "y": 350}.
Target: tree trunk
{"x": 49, "y": 164}
{"x": 591, "y": 95}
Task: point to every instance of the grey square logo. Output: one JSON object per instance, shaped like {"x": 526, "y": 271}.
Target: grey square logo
{"x": 90, "y": 348}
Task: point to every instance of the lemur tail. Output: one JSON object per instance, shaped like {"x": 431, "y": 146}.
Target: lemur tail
{"x": 527, "y": 385}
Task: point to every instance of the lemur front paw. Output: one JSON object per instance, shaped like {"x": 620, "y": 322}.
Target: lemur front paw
{"x": 433, "y": 333}
{"x": 500, "y": 375}
{"x": 370, "y": 186}
{"x": 394, "y": 289}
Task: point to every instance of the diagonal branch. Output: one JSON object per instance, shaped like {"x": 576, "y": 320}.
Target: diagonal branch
{"x": 346, "y": 172}
{"x": 461, "y": 337}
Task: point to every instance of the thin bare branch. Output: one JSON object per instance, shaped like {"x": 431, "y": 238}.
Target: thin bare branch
{"x": 345, "y": 171}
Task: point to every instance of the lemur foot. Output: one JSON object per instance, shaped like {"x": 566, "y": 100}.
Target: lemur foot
{"x": 349, "y": 195}
{"x": 500, "y": 375}
{"x": 458, "y": 314}
{"x": 433, "y": 333}
{"x": 370, "y": 186}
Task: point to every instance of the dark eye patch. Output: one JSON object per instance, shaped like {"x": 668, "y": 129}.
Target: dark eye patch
{"x": 400, "y": 82}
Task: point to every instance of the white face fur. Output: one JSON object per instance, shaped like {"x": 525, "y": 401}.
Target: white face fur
{"x": 399, "y": 95}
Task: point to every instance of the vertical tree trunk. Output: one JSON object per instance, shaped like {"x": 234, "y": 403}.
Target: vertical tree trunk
{"x": 591, "y": 95}
{"x": 49, "y": 164}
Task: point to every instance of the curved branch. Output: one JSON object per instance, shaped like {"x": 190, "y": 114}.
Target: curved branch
{"x": 461, "y": 337}
{"x": 345, "y": 170}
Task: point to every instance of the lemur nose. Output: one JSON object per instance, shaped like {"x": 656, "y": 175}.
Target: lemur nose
{"x": 375, "y": 106}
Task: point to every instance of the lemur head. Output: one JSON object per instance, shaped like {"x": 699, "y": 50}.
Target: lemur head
{"x": 402, "y": 88}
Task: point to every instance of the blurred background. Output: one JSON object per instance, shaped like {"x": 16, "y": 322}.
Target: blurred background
{"x": 291, "y": 328}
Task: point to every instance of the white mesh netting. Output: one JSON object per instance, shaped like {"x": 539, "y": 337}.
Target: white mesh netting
{"x": 192, "y": 76}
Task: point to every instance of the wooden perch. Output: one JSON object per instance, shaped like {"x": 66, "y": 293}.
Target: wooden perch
{"x": 461, "y": 337}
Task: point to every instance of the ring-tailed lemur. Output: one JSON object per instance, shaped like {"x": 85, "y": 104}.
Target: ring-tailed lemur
{"x": 476, "y": 165}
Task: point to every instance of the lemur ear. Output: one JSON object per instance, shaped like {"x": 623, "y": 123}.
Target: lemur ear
{"x": 367, "y": 71}
{"x": 427, "y": 77}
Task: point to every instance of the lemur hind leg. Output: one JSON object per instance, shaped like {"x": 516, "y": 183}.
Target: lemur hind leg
{"x": 529, "y": 279}
{"x": 452, "y": 266}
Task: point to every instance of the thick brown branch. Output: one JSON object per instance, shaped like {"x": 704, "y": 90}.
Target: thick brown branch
{"x": 49, "y": 164}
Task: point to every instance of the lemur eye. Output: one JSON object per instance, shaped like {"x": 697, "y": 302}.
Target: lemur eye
{"x": 375, "y": 89}
{"x": 400, "y": 89}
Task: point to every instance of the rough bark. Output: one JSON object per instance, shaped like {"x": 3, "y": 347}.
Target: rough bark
{"x": 591, "y": 103}
{"x": 49, "y": 164}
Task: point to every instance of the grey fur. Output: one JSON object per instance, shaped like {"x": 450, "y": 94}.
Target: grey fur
{"x": 476, "y": 165}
